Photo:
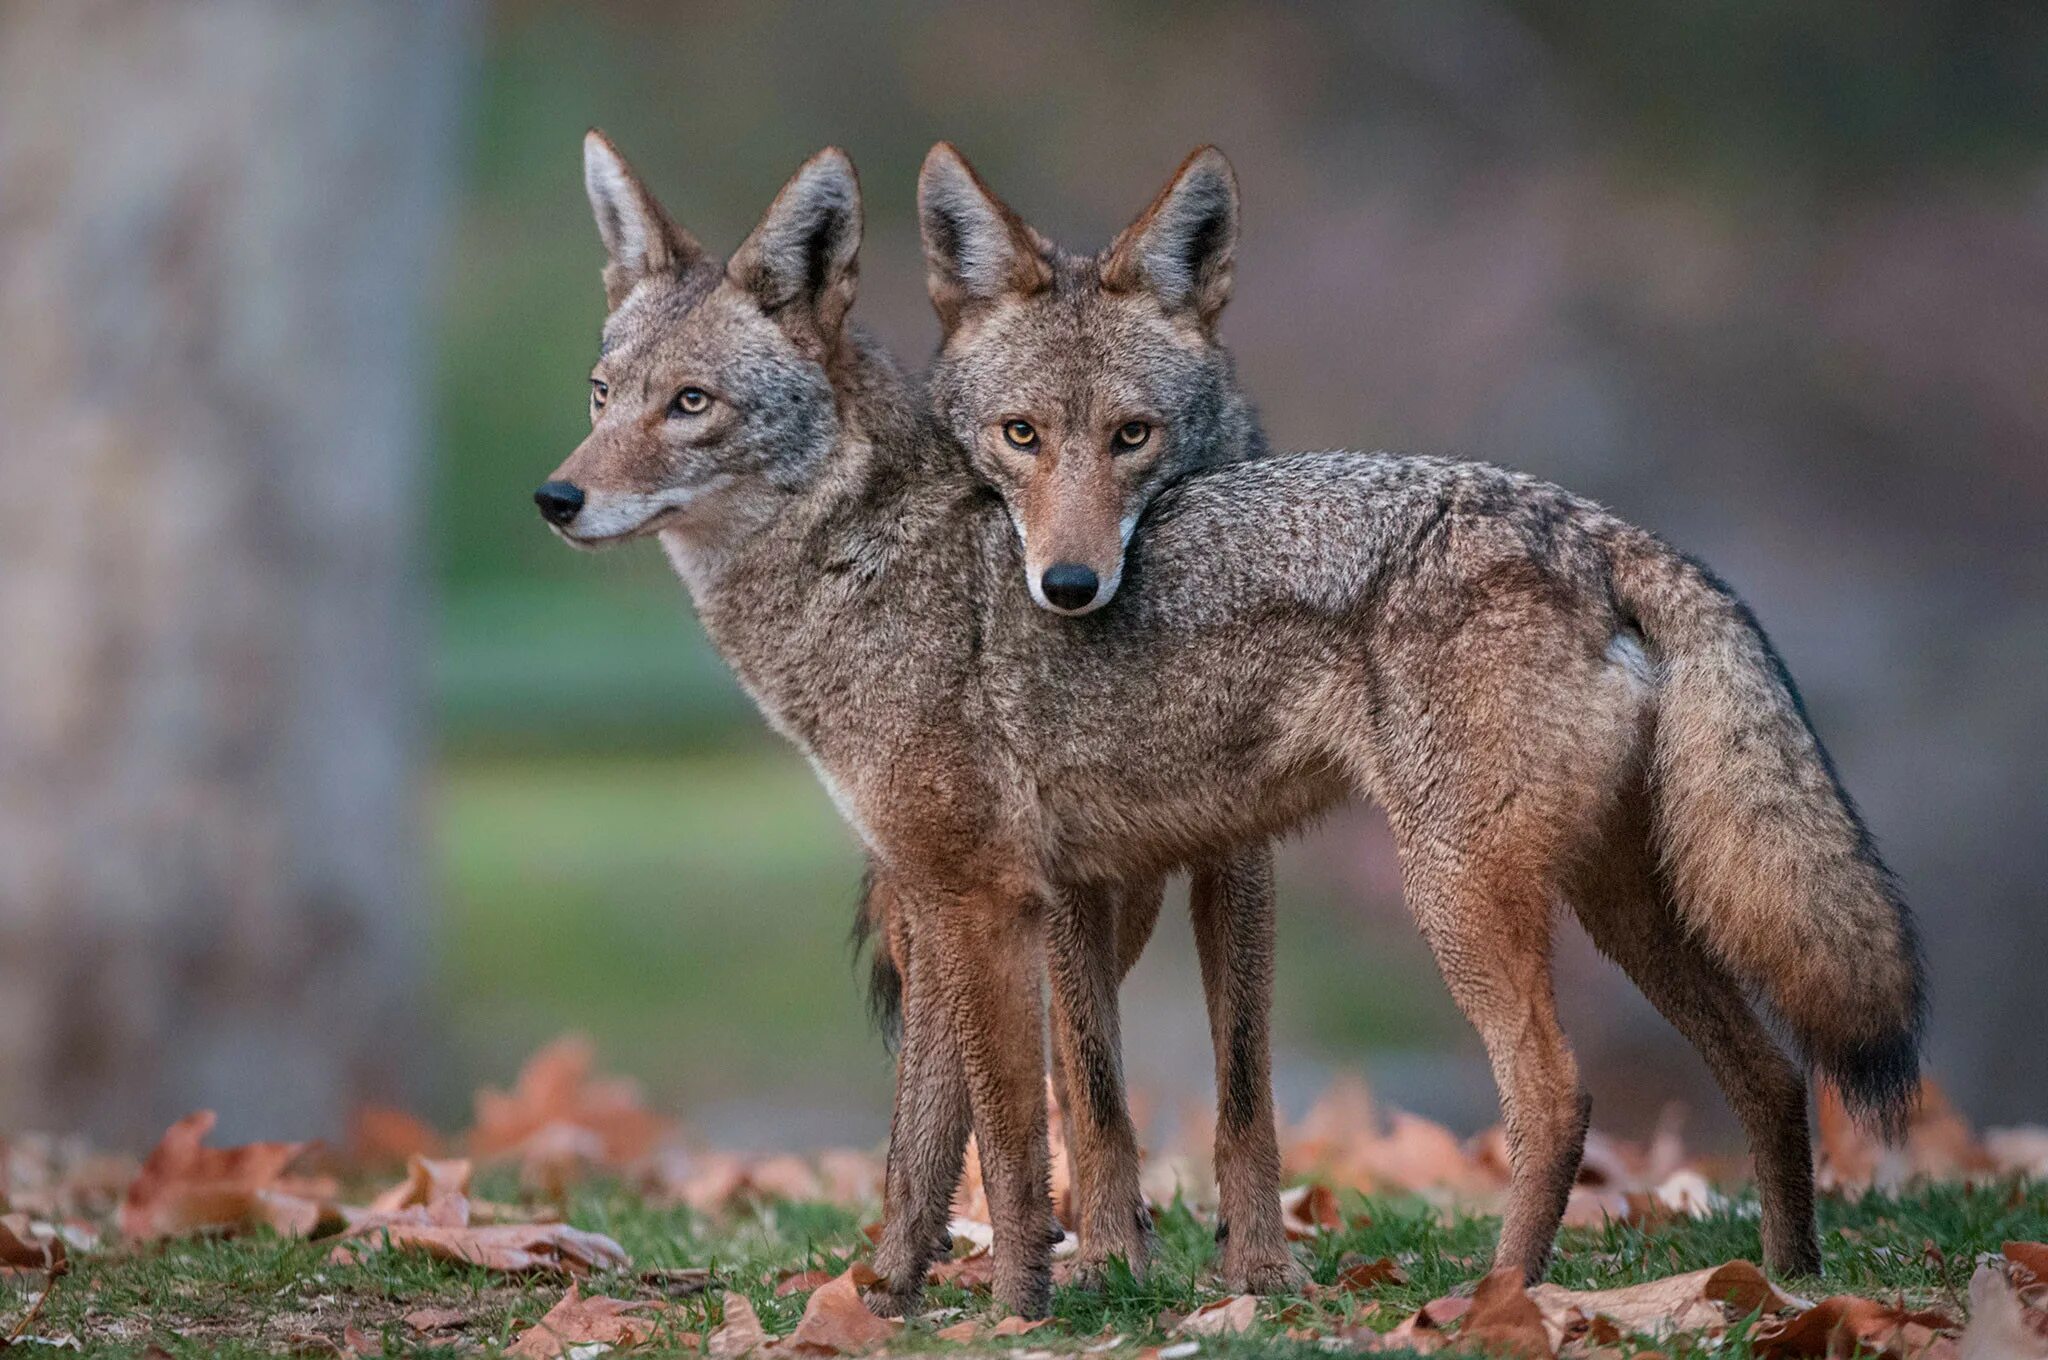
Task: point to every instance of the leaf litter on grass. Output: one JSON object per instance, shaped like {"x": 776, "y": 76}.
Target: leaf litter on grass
{"x": 562, "y": 1123}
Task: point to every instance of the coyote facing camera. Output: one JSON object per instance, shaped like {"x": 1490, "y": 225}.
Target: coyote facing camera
{"x": 1550, "y": 704}
{"x": 1078, "y": 478}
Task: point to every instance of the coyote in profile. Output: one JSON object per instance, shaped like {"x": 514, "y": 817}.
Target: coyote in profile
{"x": 1550, "y": 703}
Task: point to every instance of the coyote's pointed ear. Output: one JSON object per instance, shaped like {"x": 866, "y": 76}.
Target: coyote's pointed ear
{"x": 802, "y": 263}
{"x": 638, "y": 235}
{"x": 1184, "y": 246}
{"x": 975, "y": 249}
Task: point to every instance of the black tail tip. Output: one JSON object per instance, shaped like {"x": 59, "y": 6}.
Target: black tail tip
{"x": 1879, "y": 1081}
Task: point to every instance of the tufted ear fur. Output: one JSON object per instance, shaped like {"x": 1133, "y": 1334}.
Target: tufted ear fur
{"x": 975, "y": 249}
{"x": 639, "y": 239}
{"x": 802, "y": 263}
{"x": 1183, "y": 248}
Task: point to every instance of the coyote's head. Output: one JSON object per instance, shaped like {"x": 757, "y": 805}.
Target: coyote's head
{"x": 711, "y": 395}
{"x": 1082, "y": 386}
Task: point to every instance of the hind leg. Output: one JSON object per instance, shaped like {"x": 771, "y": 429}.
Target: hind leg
{"x": 1633, "y": 923}
{"x": 1232, "y": 904}
{"x": 1489, "y": 926}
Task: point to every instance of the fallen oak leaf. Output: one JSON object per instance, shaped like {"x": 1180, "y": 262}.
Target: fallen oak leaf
{"x": 1697, "y": 1301}
{"x": 1017, "y": 1326}
{"x": 1843, "y": 1323}
{"x": 1361, "y": 1275}
{"x": 509, "y": 1248}
{"x": 291, "y": 1215}
{"x": 1223, "y": 1317}
{"x": 558, "y": 1112}
{"x": 424, "y": 1320}
{"x": 976, "y": 1270}
{"x": 801, "y": 1282}
{"x": 837, "y": 1322}
{"x": 1422, "y": 1330}
{"x": 2001, "y": 1326}
{"x": 426, "y": 1180}
{"x": 185, "y": 1187}
{"x": 576, "y": 1321}
{"x": 740, "y": 1332}
{"x": 1307, "y": 1210}
{"x": 2032, "y": 1256}
{"x": 960, "y": 1332}
{"x": 1505, "y": 1320}
{"x": 23, "y": 1248}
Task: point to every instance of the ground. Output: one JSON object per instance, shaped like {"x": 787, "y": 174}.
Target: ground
{"x": 266, "y": 1295}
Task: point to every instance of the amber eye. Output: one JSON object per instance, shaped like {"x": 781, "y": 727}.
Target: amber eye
{"x": 1132, "y": 434}
{"x": 691, "y": 401}
{"x": 1020, "y": 434}
{"x": 599, "y": 390}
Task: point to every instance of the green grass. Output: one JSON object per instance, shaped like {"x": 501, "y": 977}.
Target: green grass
{"x": 266, "y": 1296}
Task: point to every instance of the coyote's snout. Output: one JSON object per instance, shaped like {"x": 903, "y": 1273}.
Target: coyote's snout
{"x": 1115, "y": 383}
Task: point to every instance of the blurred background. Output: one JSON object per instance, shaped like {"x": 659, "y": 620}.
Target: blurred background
{"x": 326, "y": 775}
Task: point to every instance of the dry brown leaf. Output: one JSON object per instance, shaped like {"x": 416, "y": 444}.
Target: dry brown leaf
{"x": 1016, "y": 1326}
{"x": 1700, "y": 1300}
{"x": 836, "y": 1321}
{"x": 1421, "y": 1331}
{"x": 23, "y": 1247}
{"x": 558, "y": 1116}
{"x": 291, "y": 1215}
{"x": 1306, "y": 1210}
{"x": 185, "y": 1187}
{"x": 424, "y": 1320}
{"x": 741, "y": 1331}
{"x": 960, "y": 1332}
{"x": 713, "y": 1183}
{"x": 1360, "y": 1275}
{"x": 577, "y": 1321}
{"x": 976, "y": 1270}
{"x": 800, "y": 1281}
{"x": 426, "y": 1180}
{"x": 442, "y": 1229}
{"x": 380, "y": 1135}
{"x": 1939, "y": 1144}
{"x": 2031, "y": 1255}
{"x": 1841, "y": 1324}
{"x": 1223, "y": 1317}
{"x": 1505, "y": 1320}
{"x": 2002, "y": 1326}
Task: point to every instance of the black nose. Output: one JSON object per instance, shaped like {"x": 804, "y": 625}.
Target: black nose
{"x": 558, "y": 501}
{"x": 1069, "y": 585}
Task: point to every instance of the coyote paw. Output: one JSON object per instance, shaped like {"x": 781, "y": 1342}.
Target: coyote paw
{"x": 1273, "y": 1275}
{"x": 1090, "y": 1270}
{"x": 1025, "y": 1291}
{"x": 883, "y": 1301}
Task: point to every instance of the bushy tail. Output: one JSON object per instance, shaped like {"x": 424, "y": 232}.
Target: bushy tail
{"x": 885, "y": 983}
{"x": 1764, "y": 852}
